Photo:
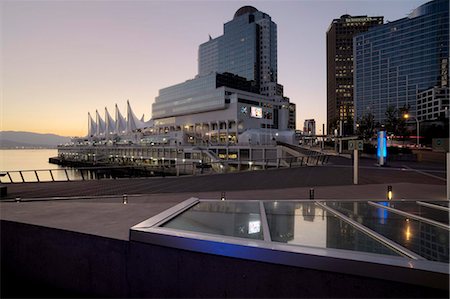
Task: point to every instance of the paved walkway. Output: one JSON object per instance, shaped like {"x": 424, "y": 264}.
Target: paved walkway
{"x": 107, "y": 216}
{"x": 95, "y": 207}
{"x": 337, "y": 174}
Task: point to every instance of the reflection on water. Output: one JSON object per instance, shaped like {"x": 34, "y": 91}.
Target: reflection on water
{"x": 221, "y": 218}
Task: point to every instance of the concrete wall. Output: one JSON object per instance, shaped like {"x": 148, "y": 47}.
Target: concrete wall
{"x": 47, "y": 262}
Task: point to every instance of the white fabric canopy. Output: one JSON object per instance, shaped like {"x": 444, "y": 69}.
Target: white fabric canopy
{"x": 121, "y": 123}
{"x": 92, "y": 126}
{"x": 100, "y": 124}
{"x": 110, "y": 123}
{"x": 133, "y": 123}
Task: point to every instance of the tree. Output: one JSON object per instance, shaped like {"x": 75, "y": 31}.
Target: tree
{"x": 392, "y": 119}
{"x": 402, "y": 129}
{"x": 366, "y": 127}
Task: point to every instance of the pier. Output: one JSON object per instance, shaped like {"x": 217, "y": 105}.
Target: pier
{"x": 189, "y": 160}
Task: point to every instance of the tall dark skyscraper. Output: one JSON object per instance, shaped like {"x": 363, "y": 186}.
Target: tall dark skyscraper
{"x": 340, "y": 66}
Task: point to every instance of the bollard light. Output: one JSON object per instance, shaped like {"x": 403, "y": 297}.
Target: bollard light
{"x": 389, "y": 192}
{"x": 222, "y": 196}
{"x": 311, "y": 193}
{"x": 18, "y": 199}
{"x": 125, "y": 199}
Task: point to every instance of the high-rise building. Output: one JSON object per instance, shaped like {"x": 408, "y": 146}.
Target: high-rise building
{"x": 340, "y": 65}
{"x": 247, "y": 48}
{"x": 397, "y": 61}
{"x": 309, "y": 127}
{"x": 236, "y": 87}
{"x": 433, "y": 103}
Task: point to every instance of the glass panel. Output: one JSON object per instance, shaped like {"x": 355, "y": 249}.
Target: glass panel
{"x": 29, "y": 176}
{"x": 221, "y": 218}
{"x": 44, "y": 175}
{"x": 5, "y": 179}
{"x": 59, "y": 175}
{"x": 426, "y": 240}
{"x": 15, "y": 177}
{"x": 423, "y": 211}
{"x": 306, "y": 224}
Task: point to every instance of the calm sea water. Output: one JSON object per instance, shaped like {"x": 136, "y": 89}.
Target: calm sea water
{"x": 32, "y": 159}
{"x": 26, "y": 159}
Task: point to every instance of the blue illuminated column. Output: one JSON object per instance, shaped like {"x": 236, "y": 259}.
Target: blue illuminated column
{"x": 381, "y": 148}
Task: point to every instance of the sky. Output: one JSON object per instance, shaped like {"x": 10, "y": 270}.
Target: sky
{"x": 63, "y": 59}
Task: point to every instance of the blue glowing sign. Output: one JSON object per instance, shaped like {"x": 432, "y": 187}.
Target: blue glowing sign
{"x": 381, "y": 144}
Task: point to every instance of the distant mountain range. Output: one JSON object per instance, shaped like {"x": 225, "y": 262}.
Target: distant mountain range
{"x": 13, "y": 139}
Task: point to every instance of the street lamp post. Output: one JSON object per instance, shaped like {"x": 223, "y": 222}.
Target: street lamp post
{"x": 406, "y": 116}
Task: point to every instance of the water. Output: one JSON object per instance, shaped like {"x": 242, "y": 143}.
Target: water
{"x": 12, "y": 160}
{"x": 26, "y": 159}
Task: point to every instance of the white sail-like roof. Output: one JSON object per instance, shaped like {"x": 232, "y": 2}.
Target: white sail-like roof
{"x": 100, "y": 124}
{"x": 110, "y": 127}
{"x": 121, "y": 123}
{"x": 133, "y": 123}
{"x": 147, "y": 124}
{"x": 92, "y": 126}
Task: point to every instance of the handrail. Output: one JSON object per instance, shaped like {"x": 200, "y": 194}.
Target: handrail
{"x": 163, "y": 166}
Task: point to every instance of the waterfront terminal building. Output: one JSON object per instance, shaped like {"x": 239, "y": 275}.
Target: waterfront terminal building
{"x": 236, "y": 90}
{"x": 234, "y": 103}
{"x": 395, "y": 63}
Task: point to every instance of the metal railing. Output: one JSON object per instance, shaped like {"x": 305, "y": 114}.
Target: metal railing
{"x": 66, "y": 174}
{"x": 162, "y": 167}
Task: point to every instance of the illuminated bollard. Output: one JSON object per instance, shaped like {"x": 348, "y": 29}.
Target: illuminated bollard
{"x": 18, "y": 199}
{"x": 389, "y": 192}
{"x": 222, "y": 196}
{"x": 125, "y": 199}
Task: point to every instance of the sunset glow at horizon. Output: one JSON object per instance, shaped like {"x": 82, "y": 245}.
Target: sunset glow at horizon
{"x": 63, "y": 59}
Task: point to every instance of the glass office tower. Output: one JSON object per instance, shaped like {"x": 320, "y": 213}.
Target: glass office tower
{"x": 397, "y": 60}
{"x": 247, "y": 48}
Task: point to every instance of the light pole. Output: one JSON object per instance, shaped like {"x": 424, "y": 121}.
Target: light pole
{"x": 406, "y": 116}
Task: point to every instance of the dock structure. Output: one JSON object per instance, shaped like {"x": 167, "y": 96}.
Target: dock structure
{"x": 188, "y": 159}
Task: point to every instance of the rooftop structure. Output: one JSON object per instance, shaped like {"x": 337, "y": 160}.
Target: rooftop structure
{"x": 109, "y": 128}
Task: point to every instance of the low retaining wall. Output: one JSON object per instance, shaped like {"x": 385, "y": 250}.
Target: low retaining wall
{"x": 47, "y": 262}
